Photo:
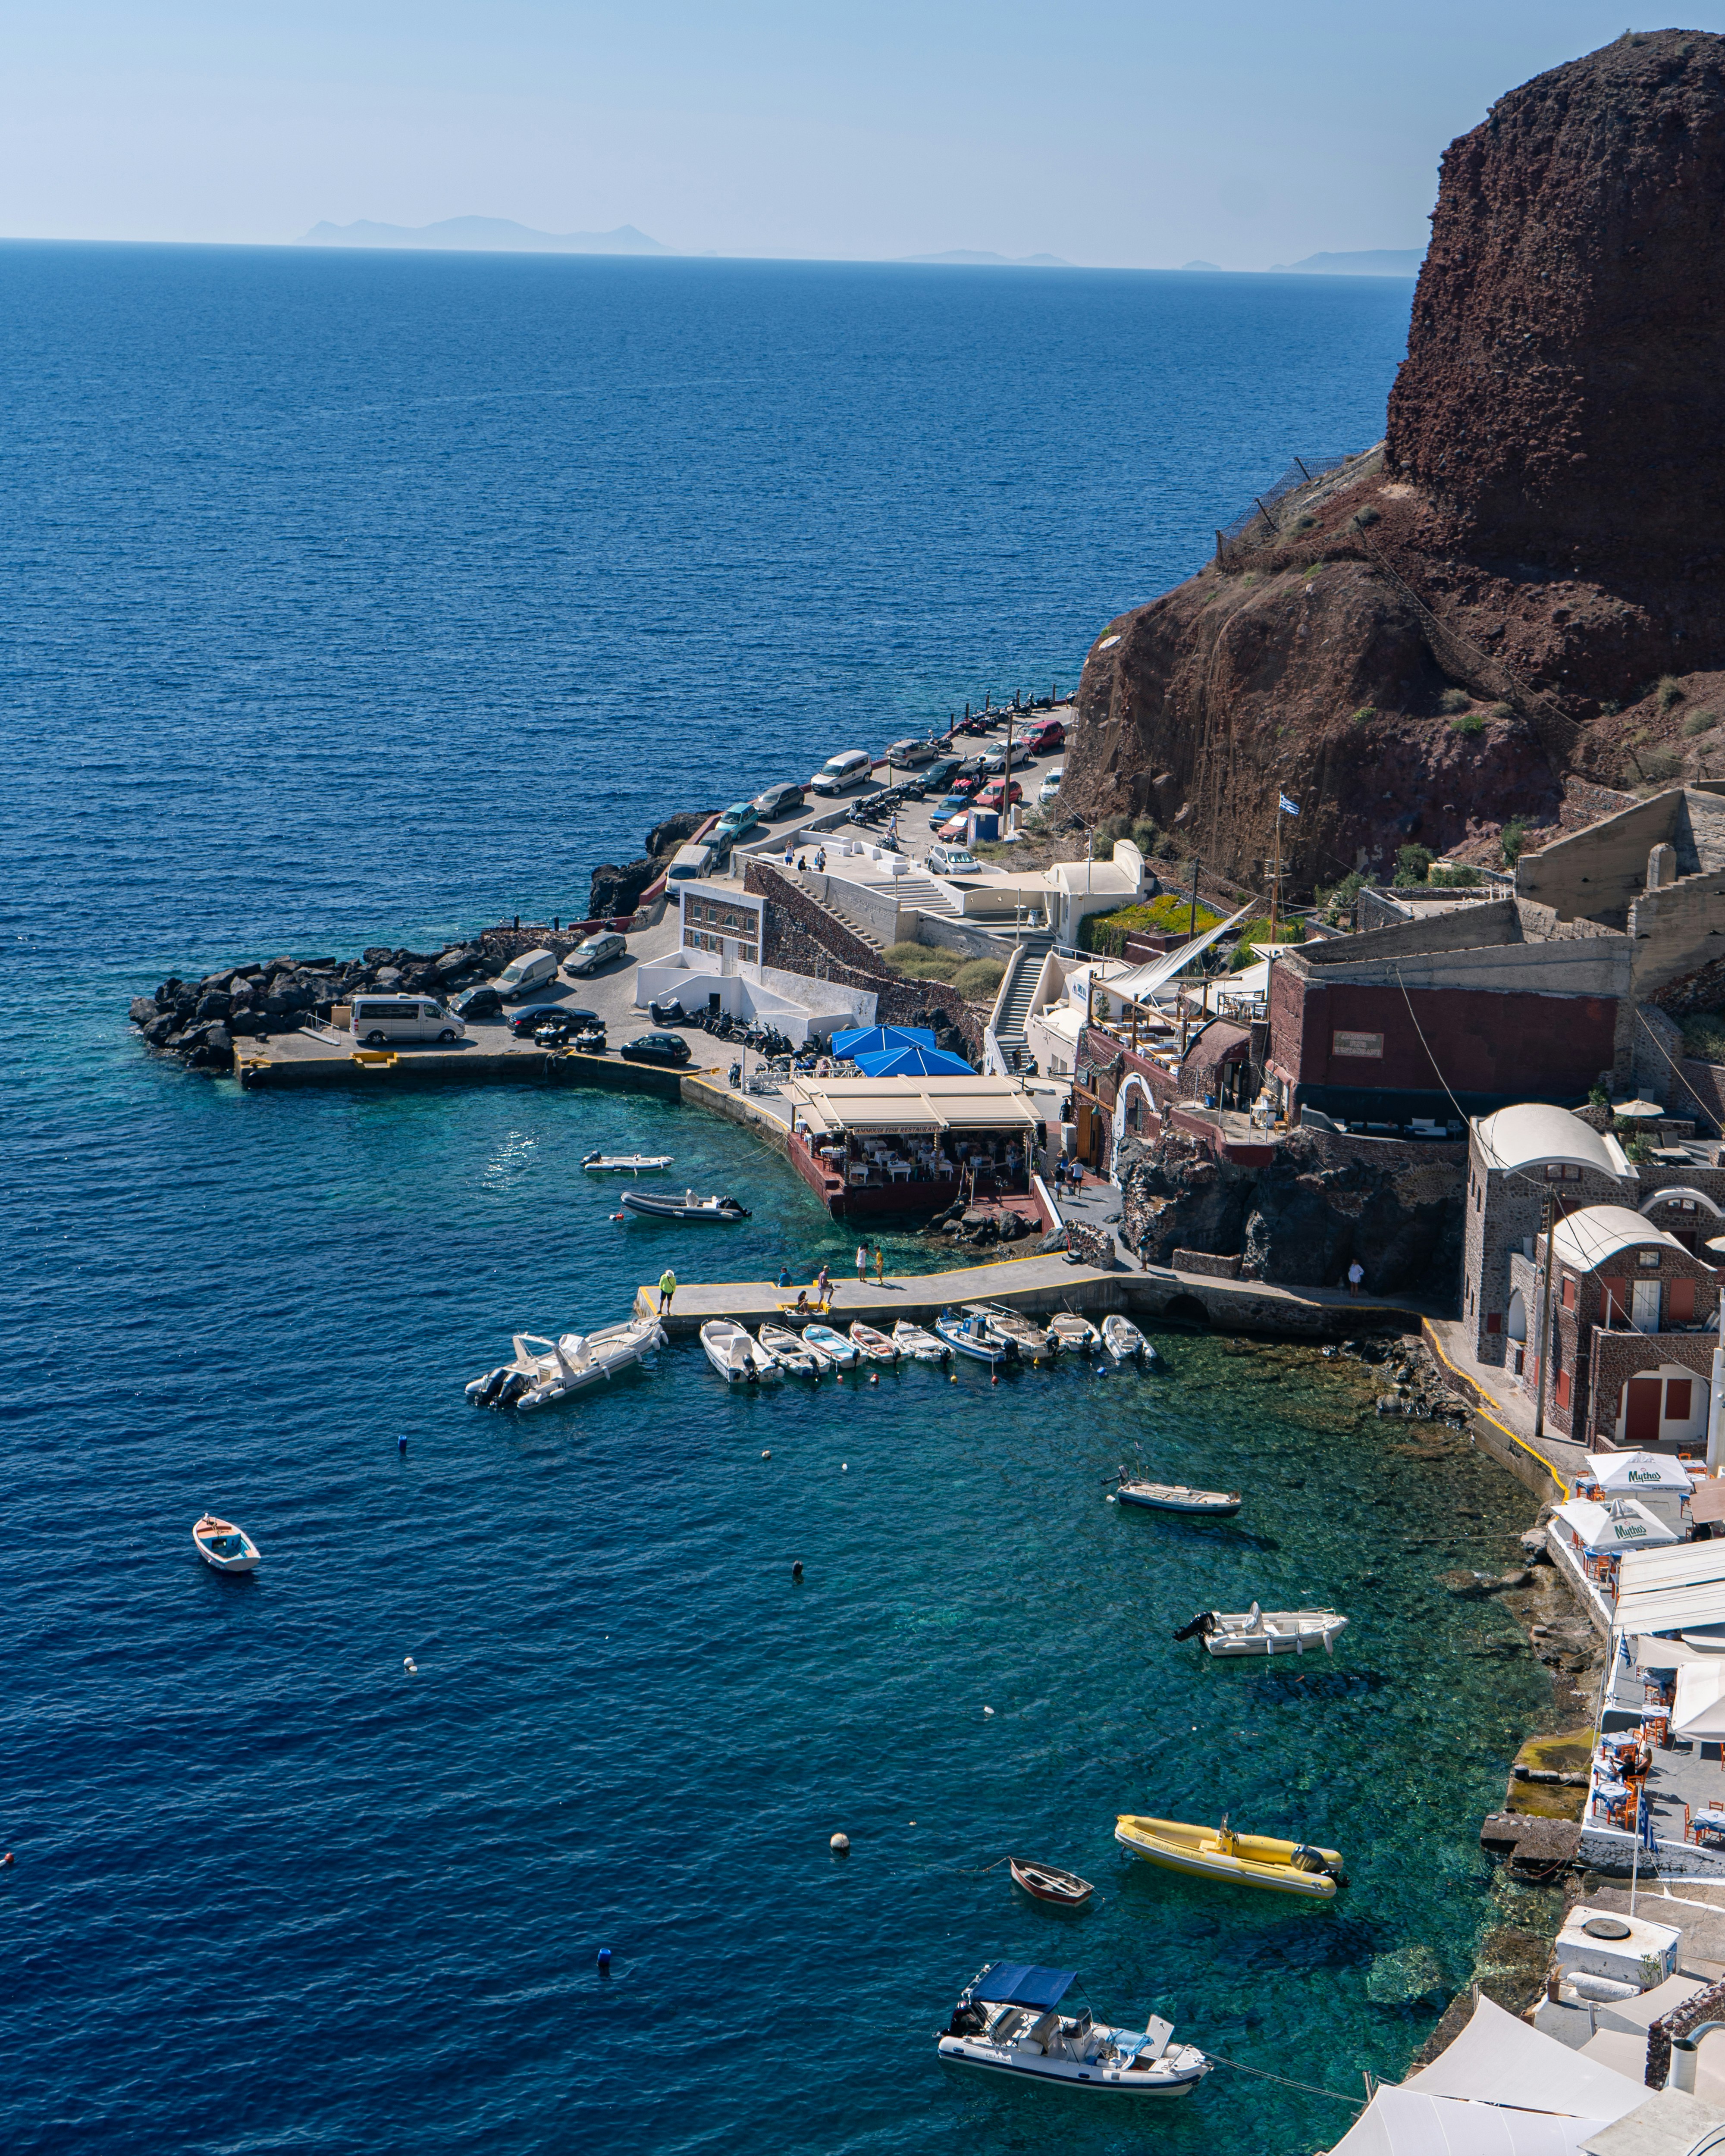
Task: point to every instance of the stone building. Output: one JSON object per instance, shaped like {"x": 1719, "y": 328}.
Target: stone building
{"x": 1634, "y": 1320}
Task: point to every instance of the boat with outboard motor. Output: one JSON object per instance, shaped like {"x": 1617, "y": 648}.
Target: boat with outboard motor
{"x": 1047, "y": 1882}
{"x": 738, "y": 1360}
{"x": 1217, "y": 1852}
{"x": 788, "y": 1350}
{"x": 1074, "y": 1335}
{"x": 623, "y": 1163}
{"x": 1125, "y": 1343}
{"x": 688, "y": 1206}
{"x": 544, "y": 1371}
{"x": 969, "y": 1335}
{"x": 1012, "y": 1326}
{"x": 1008, "y": 2021}
{"x": 844, "y": 1354}
{"x": 920, "y": 1347}
{"x": 1176, "y": 1497}
{"x": 223, "y": 1547}
{"x": 874, "y": 1343}
{"x": 1256, "y": 1631}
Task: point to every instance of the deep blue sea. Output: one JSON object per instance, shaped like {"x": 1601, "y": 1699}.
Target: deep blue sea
{"x": 357, "y": 598}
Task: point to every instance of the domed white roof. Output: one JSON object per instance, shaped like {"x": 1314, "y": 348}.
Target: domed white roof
{"x": 1587, "y": 1238}
{"x": 1532, "y": 1133}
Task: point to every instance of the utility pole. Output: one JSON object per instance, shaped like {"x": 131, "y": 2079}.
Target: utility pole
{"x": 1546, "y": 1224}
{"x": 1192, "y": 925}
{"x": 1012, "y": 821}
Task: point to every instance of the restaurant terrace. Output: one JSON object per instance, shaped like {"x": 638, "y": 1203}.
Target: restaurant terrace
{"x": 911, "y": 1144}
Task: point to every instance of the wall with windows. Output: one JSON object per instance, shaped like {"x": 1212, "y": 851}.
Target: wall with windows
{"x": 721, "y": 920}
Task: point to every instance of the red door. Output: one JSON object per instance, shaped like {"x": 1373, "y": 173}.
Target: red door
{"x": 1640, "y": 1421}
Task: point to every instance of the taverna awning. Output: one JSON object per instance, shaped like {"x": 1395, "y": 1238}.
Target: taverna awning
{"x": 1497, "y": 2059}
{"x": 1627, "y": 1474}
{"x": 879, "y": 1107}
{"x": 1700, "y": 1711}
{"x": 1399, "y": 2121}
{"x": 1665, "y": 1590}
{"x": 1609, "y": 1530}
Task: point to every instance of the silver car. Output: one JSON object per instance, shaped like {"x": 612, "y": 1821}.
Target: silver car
{"x": 597, "y": 950}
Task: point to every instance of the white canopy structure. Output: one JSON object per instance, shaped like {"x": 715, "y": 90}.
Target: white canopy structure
{"x": 1143, "y": 981}
{"x": 1498, "y": 2059}
{"x": 1400, "y": 2122}
{"x": 1628, "y": 1474}
{"x": 1700, "y": 1711}
{"x": 1665, "y": 1590}
{"x": 1609, "y": 1530}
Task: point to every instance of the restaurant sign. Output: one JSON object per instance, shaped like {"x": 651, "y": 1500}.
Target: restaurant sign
{"x": 1356, "y": 1043}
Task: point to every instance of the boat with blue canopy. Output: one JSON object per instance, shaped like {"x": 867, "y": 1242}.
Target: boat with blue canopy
{"x": 1008, "y": 2020}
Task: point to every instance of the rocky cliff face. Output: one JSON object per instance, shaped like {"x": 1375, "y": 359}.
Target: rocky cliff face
{"x": 1516, "y": 603}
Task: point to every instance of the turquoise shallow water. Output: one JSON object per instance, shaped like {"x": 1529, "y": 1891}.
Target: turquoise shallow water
{"x": 349, "y": 600}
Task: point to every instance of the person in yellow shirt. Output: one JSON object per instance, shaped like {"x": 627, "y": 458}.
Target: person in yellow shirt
{"x": 667, "y": 1289}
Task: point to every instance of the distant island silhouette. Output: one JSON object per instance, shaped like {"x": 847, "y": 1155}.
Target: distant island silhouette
{"x": 500, "y": 234}
{"x": 1368, "y": 262}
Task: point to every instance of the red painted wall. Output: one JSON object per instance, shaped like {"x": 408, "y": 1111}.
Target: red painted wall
{"x": 1484, "y": 1042}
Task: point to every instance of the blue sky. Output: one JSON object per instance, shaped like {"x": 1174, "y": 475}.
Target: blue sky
{"x": 1137, "y": 135}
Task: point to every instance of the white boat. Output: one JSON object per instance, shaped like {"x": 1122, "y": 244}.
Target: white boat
{"x": 970, "y": 1335}
{"x": 1177, "y": 1497}
{"x": 787, "y": 1350}
{"x": 1256, "y": 1631}
{"x": 874, "y": 1344}
{"x": 836, "y": 1348}
{"x": 1123, "y": 1340}
{"x": 223, "y": 1547}
{"x": 1075, "y": 1335}
{"x": 1012, "y": 1327}
{"x": 688, "y": 1206}
{"x": 738, "y": 1360}
{"x": 622, "y": 1163}
{"x": 920, "y": 1346}
{"x": 1008, "y": 2021}
{"x": 545, "y": 1371}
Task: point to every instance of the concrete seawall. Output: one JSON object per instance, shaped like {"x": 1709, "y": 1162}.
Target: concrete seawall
{"x": 556, "y": 1067}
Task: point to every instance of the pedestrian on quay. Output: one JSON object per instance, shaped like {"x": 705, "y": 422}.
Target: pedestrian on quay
{"x": 784, "y": 1277}
{"x": 822, "y": 1285}
{"x": 1356, "y": 1273}
{"x": 790, "y": 853}
{"x": 880, "y": 1266}
{"x": 667, "y": 1289}
{"x": 862, "y": 1263}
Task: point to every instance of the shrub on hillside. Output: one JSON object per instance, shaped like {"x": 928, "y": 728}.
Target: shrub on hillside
{"x": 1670, "y": 692}
{"x": 921, "y": 962}
{"x": 1658, "y": 764}
{"x": 1700, "y": 722}
{"x": 1704, "y": 1036}
{"x": 977, "y": 980}
{"x": 1166, "y": 915}
{"x": 1468, "y": 723}
{"x": 1458, "y": 876}
{"x": 1454, "y": 700}
{"x": 1511, "y": 839}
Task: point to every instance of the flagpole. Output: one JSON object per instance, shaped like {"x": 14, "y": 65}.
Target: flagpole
{"x": 1276, "y": 873}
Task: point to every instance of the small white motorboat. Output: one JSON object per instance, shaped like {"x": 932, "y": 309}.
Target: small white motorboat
{"x": 786, "y": 1349}
{"x": 1176, "y": 1497}
{"x": 688, "y": 1206}
{"x": 874, "y": 1344}
{"x": 1075, "y": 1335}
{"x": 1256, "y": 1631}
{"x": 844, "y": 1353}
{"x": 920, "y": 1346}
{"x": 1124, "y": 1342}
{"x": 545, "y": 1371}
{"x": 1012, "y": 1327}
{"x": 970, "y": 1335}
{"x": 623, "y": 1163}
{"x": 1008, "y": 2021}
{"x": 223, "y": 1547}
{"x": 738, "y": 1360}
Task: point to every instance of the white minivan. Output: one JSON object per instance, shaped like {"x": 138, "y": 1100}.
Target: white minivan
{"x": 839, "y": 772}
{"x": 689, "y": 861}
{"x": 379, "y": 1019}
{"x": 522, "y": 976}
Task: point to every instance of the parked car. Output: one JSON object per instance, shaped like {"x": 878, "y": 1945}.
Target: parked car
{"x": 946, "y": 859}
{"x": 940, "y": 776}
{"x": 523, "y": 975}
{"x": 995, "y": 758}
{"x": 912, "y": 750}
{"x": 376, "y": 1020}
{"x": 840, "y": 773}
{"x": 954, "y": 829}
{"x": 1044, "y": 735}
{"x": 740, "y": 817}
{"x": 594, "y": 951}
{"x": 529, "y": 1021}
{"x": 477, "y": 1005}
{"x": 657, "y": 1048}
{"x": 951, "y": 804}
{"x": 994, "y": 794}
{"x": 779, "y": 800}
{"x": 1050, "y": 786}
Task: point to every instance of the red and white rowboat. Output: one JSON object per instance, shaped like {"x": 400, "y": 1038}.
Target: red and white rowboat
{"x": 1047, "y": 1882}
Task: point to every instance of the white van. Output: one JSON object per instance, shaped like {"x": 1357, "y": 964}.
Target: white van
{"x": 689, "y": 861}
{"x": 839, "y": 772}
{"x": 379, "y": 1019}
{"x": 523, "y": 975}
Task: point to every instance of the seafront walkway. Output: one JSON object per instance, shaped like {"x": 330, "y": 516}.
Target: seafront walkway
{"x": 1501, "y": 1403}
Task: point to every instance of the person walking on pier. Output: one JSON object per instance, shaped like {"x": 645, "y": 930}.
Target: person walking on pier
{"x": 862, "y": 1265}
{"x": 667, "y": 1289}
{"x": 1356, "y": 1273}
{"x": 879, "y": 1267}
{"x": 824, "y": 1285}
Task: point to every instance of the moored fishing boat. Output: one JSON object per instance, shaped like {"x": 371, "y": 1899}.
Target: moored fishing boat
{"x": 920, "y": 1346}
{"x": 1075, "y": 1335}
{"x": 1256, "y": 1631}
{"x": 544, "y": 1371}
{"x": 970, "y": 1335}
{"x": 622, "y": 1163}
{"x": 223, "y": 1547}
{"x": 688, "y": 1206}
{"x": 787, "y": 1350}
{"x": 738, "y": 1360}
{"x": 844, "y": 1354}
{"x": 1124, "y": 1342}
{"x": 1011, "y": 1326}
{"x": 1008, "y": 2021}
{"x": 873, "y": 1343}
{"x": 1217, "y": 1852}
{"x": 1047, "y": 1882}
{"x": 1177, "y": 1497}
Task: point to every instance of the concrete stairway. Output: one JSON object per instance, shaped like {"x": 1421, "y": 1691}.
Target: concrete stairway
{"x": 1026, "y": 966}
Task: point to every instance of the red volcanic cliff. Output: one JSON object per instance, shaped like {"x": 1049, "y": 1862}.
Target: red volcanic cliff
{"x": 1518, "y": 600}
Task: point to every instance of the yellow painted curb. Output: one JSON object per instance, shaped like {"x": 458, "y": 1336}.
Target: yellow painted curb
{"x": 1479, "y": 1397}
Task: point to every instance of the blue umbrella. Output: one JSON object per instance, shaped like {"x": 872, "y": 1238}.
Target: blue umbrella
{"x": 913, "y": 1062}
{"x": 876, "y": 1039}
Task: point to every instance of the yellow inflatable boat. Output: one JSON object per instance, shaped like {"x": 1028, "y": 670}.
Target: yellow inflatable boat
{"x": 1216, "y": 1852}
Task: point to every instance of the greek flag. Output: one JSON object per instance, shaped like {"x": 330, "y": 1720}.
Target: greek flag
{"x": 1286, "y": 806}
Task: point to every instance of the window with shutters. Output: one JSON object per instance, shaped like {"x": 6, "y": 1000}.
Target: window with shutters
{"x": 1679, "y": 1301}
{"x": 1678, "y": 1392}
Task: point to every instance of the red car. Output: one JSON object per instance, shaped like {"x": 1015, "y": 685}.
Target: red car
{"x": 994, "y": 794}
{"x": 1049, "y": 734}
